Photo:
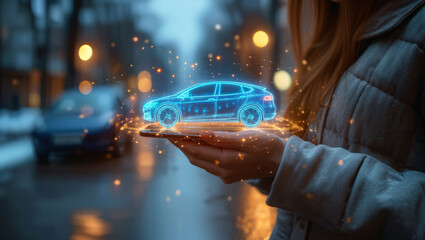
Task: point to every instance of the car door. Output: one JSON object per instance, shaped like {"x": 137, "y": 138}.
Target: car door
{"x": 199, "y": 103}
{"x": 229, "y": 100}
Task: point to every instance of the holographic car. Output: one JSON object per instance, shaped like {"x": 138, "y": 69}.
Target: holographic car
{"x": 213, "y": 102}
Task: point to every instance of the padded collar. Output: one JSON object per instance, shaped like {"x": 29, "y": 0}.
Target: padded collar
{"x": 391, "y": 15}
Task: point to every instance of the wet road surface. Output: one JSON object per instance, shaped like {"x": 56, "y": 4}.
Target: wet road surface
{"x": 152, "y": 192}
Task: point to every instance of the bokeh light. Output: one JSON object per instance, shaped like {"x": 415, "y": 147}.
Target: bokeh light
{"x": 117, "y": 182}
{"x": 86, "y": 110}
{"x": 282, "y": 80}
{"x": 85, "y": 52}
{"x": 144, "y": 81}
{"x": 260, "y": 39}
{"x": 85, "y": 87}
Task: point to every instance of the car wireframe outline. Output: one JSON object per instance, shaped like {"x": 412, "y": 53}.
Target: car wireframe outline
{"x": 222, "y": 101}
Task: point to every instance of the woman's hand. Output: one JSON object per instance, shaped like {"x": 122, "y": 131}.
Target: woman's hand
{"x": 235, "y": 156}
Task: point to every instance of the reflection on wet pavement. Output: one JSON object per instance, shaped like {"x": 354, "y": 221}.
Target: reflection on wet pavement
{"x": 87, "y": 225}
{"x": 145, "y": 164}
{"x": 255, "y": 219}
{"x": 153, "y": 192}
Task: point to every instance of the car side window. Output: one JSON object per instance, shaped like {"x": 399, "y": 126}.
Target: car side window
{"x": 247, "y": 89}
{"x": 207, "y": 90}
{"x": 230, "y": 89}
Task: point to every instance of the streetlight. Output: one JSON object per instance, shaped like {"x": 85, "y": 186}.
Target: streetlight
{"x": 85, "y": 52}
{"x": 282, "y": 80}
{"x": 260, "y": 39}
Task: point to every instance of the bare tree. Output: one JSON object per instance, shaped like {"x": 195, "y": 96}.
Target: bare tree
{"x": 72, "y": 41}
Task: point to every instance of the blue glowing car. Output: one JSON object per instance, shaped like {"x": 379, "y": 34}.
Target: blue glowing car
{"x": 213, "y": 102}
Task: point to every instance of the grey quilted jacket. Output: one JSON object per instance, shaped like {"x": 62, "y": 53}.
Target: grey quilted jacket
{"x": 358, "y": 172}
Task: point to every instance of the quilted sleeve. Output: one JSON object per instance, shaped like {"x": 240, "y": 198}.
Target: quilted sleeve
{"x": 349, "y": 192}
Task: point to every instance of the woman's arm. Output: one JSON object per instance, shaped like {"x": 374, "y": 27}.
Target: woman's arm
{"x": 349, "y": 192}
{"x": 341, "y": 191}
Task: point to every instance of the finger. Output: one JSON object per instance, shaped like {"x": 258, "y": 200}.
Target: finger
{"x": 207, "y": 166}
{"x": 226, "y": 158}
{"x": 204, "y": 152}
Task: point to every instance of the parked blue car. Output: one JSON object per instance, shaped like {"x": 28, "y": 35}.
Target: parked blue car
{"x": 213, "y": 101}
{"x": 77, "y": 123}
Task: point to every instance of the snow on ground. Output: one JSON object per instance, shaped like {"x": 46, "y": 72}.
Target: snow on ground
{"x": 18, "y": 122}
{"x": 16, "y": 152}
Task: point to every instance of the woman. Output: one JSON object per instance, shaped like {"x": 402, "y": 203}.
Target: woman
{"x": 356, "y": 171}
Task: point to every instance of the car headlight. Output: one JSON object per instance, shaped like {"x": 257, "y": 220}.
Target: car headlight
{"x": 150, "y": 104}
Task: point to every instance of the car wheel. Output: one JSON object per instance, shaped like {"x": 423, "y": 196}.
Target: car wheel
{"x": 42, "y": 158}
{"x": 119, "y": 148}
{"x": 168, "y": 116}
{"x": 250, "y": 116}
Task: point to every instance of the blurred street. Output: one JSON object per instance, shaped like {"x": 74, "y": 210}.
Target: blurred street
{"x": 152, "y": 192}
{"x": 78, "y": 80}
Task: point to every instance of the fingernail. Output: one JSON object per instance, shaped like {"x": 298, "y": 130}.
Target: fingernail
{"x": 206, "y": 134}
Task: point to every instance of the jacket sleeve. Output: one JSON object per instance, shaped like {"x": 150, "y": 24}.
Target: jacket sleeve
{"x": 262, "y": 184}
{"x": 349, "y": 192}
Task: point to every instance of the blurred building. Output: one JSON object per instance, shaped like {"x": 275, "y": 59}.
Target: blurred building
{"x": 40, "y": 43}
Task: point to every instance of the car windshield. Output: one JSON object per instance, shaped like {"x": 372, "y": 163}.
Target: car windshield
{"x": 83, "y": 104}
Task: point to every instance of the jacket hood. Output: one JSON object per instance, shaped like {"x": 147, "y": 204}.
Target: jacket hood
{"x": 390, "y": 16}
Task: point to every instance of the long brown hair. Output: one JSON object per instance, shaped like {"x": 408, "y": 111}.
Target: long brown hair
{"x": 332, "y": 47}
